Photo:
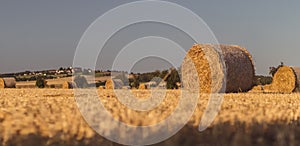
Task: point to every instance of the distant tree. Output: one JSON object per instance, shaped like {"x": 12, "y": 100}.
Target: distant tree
{"x": 156, "y": 73}
{"x": 273, "y": 70}
{"x": 134, "y": 82}
{"x": 262, "y": 80}
{"x": 173, "y": 79}
{"x": 163, "y": 73}
{"x": 40, "y": 82}
{"x": 157, "y": 80}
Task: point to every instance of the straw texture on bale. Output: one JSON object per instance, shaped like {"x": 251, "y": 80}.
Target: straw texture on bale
{"x": 7, "y": 83}
{"x": 257, "y": 89}
{"x": 297, "y": 72}
{"x": 205, "y": 57}
{"x": 142, "y": 86}
{"x": 101, "y": 87}
{"x": 267, "y": 88}
{"x": 285, "y": 80}
{"x": 114, "y": 84}
{"x": 109, "y": 84}
{"x": 69, "y": 85}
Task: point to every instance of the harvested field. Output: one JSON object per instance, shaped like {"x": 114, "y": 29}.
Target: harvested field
{"x": 25, "y": 86}
{"x": 55, "y": 83}
{"x": 51, "y": 117}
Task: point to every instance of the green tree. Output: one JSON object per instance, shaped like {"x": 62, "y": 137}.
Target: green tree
{"x": 134, "y": 83}
{"x": 273, "y": 70}
{"x": 40, "y": 82}
{"x": 163, "y": 73}
{"x": 173, "y": 79}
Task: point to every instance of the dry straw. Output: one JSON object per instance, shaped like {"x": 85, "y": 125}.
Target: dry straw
{"x": 7, "y": 83}
{"x": 109, "y": 84}
{"x": 257, "y": 89}
{"x": 285, "y": 80}
{"x": 114, "y": 84}
{"x": 101, "y": 87}
{"x": 25, "y": 86}
{"x": 142, "y": 86}
{"x": 69, "y": 85}
{"x": 238, "y": 61}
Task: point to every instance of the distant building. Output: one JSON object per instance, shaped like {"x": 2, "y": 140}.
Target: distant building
{"x": 150, "y": 84}
{"x": 162, "y": 85}
{"x": 51, "y": 71}
{"x": 77, "y": 70}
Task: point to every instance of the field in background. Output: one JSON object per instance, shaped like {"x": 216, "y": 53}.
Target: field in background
{"x": 58, "y": 81}
{"x": 51, "y": 117}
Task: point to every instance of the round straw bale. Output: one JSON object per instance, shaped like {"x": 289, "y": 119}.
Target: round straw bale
{"x": 142, "y": 86}
{"x": 284, "y": 80}
{"x": 267, "y": 88}
{"x": 69, "y": 85}
{"x": 114, "y": 84}
{"x": 239, "y": 67}
{"x": 109, "y": 84}
{"x": 7, "y": 83}
{"x": 2, "y": 84}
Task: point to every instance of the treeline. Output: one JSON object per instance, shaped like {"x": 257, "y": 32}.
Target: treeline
{"x": 262, "y": 80}
{"x": 157, "y": 76}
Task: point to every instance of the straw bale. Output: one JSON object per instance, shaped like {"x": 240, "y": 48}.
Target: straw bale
{"x": 285, "y": 80}
{"x": 114, "y": 84}
{"x": 2, "y": 84}
{"x": 69, "y": 85}
{"x": 257, "y": 89}
{"x": 109, "y": 84}
{"x": 142, "y": 86}
{"x": 7, "y": 83}
{"x": 268, "y": 89}
{"x": 239, "y": 68}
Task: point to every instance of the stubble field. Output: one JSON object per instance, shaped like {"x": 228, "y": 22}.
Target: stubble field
{"x": 51, "y": 117}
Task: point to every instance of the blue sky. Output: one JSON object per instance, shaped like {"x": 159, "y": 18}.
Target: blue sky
{"x": 38, "y": 34}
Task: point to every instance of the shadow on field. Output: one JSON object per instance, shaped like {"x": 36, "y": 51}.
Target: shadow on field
{"x": 233, "y": 134}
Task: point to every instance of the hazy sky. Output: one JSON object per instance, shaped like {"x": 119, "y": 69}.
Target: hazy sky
{"x": 37, "y": 34}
